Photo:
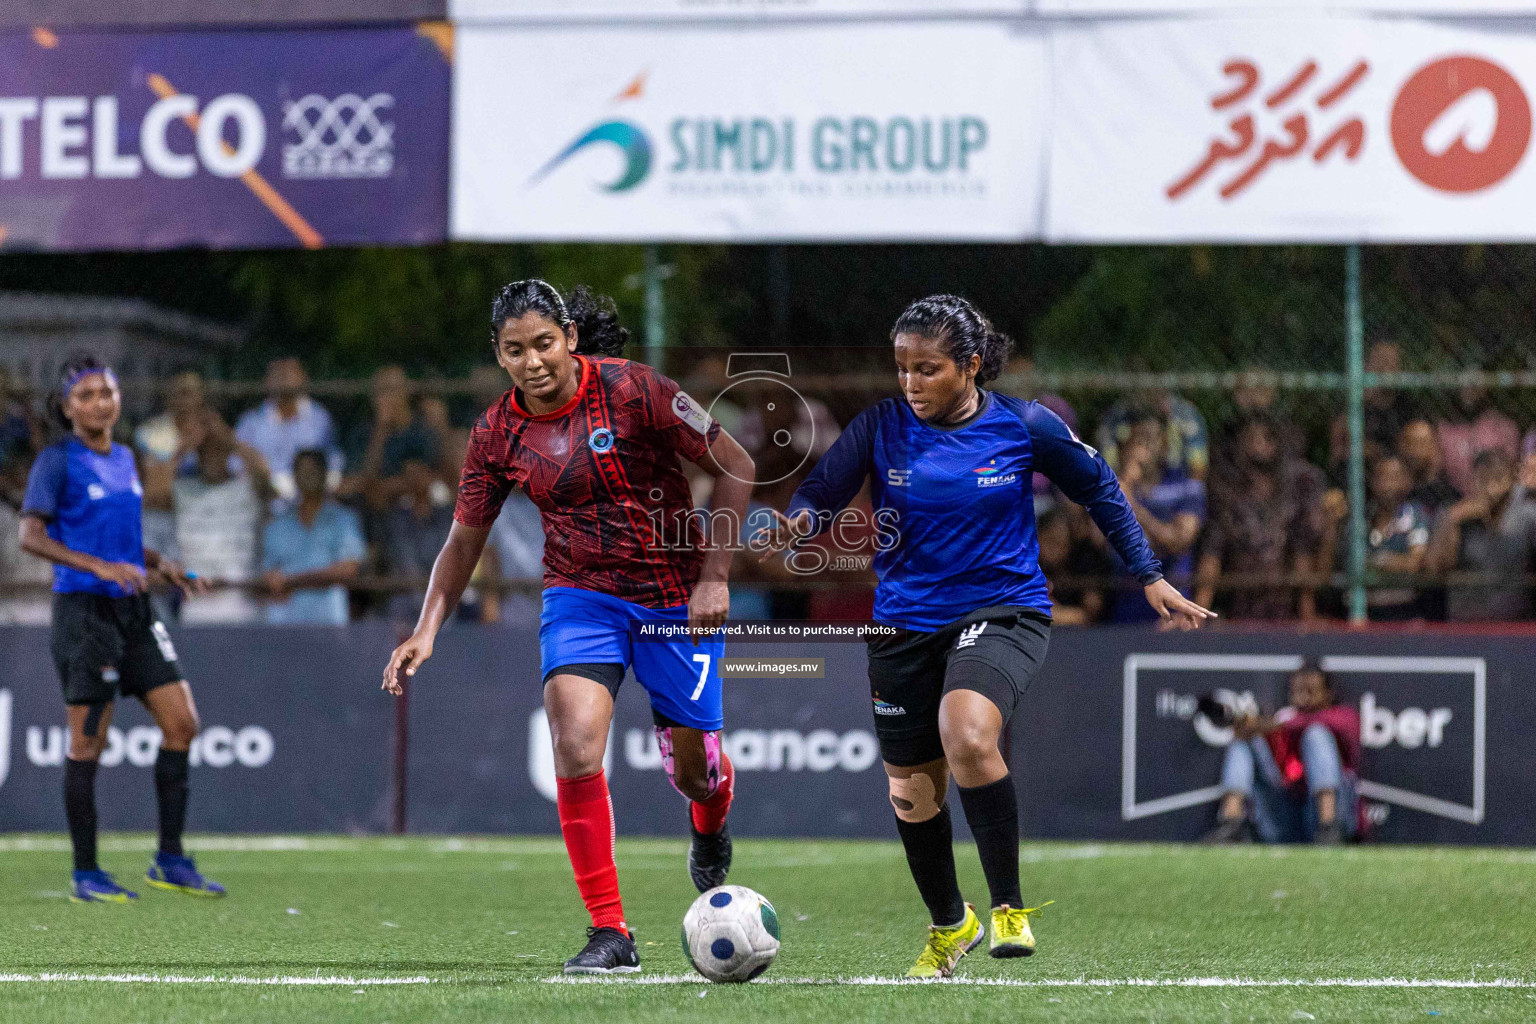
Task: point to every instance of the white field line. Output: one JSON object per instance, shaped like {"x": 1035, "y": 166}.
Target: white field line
{"x": 805, "y": 853}
{"x": 335, "y": 981}
{"x": 1405, "y": 983}
{"x": 213, "y": 979}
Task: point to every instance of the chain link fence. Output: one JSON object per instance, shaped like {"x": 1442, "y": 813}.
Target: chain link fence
{"x": 1216, "y": 381}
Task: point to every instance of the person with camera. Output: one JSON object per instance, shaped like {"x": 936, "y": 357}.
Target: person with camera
{"x": 1292, "y": 776}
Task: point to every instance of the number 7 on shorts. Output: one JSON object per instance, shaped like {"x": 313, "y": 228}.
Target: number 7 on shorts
{"x": 703, "y": 662}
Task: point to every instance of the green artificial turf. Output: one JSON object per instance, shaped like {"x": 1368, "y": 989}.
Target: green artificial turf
{"x": 489, "y": 922}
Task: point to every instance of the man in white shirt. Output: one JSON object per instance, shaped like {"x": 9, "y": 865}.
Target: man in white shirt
{"x": 289, "y": 422}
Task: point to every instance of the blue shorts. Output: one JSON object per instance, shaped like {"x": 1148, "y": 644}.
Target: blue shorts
{"x": 583, "y": 627}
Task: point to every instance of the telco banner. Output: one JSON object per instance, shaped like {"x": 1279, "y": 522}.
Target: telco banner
{"x": 897, "y": 131}
{"x": 1290, "y": 130}
{"x": 222, "y": 139}
{"x": 1108, "y": 743}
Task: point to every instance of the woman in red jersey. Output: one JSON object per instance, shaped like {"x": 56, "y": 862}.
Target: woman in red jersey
{"x": 595, "y": 443}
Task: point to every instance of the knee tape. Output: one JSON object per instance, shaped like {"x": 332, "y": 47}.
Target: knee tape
{"x": 711, "y": 759}
{"x": 914, "y": 798}
{"x": 93, "y": 720}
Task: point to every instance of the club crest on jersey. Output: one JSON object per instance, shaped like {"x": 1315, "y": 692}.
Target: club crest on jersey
{"x": 600, "y": 440}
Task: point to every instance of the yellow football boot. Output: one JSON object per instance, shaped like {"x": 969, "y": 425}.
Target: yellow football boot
{"x": 947, "y": 945}
{"x": 1010, "y": 930}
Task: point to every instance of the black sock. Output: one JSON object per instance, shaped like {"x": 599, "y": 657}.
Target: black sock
{"x": 993, "y": 814}
{"x": 931, "y": 857}
{"x": 171, "y": 788}
{"x": 80, "y": 811}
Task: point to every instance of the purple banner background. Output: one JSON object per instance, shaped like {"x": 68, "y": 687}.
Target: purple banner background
{"x": 355, "y": 148}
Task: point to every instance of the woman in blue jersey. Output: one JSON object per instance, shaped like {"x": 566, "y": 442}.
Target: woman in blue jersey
{"x": 950, "y": 469}
{"x": 83, "y": 512}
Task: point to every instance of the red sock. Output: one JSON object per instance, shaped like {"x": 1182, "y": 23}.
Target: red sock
{"x": 586, "y": 821}
{"x": 709, "y": 816}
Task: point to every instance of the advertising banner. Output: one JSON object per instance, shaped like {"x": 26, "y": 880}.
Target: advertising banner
{"x": 1108, "y": 742}
{"x": 183, "y": 14}
{"x": 465, "y": 11}
{"x": 1274, "y": 130}
{"x": 243, "y": 139}
{"x": 899, "y": 131}
{"x": 1438, "y": 8}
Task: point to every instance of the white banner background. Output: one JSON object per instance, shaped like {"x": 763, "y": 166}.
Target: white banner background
{"x": 1442, "y": 8}
{"x": 1441, "y": 114}
{"x": 646, "y": 10}
{"x": 768, "y": 132}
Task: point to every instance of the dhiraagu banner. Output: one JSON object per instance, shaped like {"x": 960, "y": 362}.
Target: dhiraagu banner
{"x": 895, "y": 131}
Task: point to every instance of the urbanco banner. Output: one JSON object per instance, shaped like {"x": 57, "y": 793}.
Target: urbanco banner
{"x": 1291, "y": 129}
{"x": 238, "y": 139}
{"x": 762, "y": 132}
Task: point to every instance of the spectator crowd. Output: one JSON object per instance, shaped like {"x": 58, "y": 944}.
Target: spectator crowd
{"x": 299, "y": 516}
{"x": 287, "y": 516}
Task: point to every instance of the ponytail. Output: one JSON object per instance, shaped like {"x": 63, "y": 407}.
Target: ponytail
{"x": 597, "y": 323}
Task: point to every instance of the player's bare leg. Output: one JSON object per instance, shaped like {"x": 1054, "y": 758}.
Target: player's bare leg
{"x": 702, "y": 772}
{"x": 580, "y": 711}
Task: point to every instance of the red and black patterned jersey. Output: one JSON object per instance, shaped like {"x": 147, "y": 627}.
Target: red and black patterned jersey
{"x": 603, "y": 470}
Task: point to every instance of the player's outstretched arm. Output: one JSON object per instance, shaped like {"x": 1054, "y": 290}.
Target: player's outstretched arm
{"x": 450, "y": 575}
{"x": 1176, "y": 610}
{"x": 784, "y": 532}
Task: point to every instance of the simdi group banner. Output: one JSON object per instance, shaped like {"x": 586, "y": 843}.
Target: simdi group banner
{"x": 226, "y": 139}
{"x": 1270, "y": 130}
{"x": 902, "y": 131}
{"x": 464, "y": 11}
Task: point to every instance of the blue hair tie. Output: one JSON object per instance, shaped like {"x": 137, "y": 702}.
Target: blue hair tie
{"x": 79, "y": 375}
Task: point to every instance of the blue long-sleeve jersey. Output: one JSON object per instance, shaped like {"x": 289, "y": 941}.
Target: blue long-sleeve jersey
{"x": 956, "y": 505}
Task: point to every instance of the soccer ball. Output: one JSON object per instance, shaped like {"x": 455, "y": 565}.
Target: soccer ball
{"x": 731, "y": 934}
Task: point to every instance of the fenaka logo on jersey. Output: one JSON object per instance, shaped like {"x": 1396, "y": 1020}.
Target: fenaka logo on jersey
{"x": 991, "y": 475}
{"x": 885, "y": 707}
{"x": 345, "y": 137}
{"x": 706, "y": 155}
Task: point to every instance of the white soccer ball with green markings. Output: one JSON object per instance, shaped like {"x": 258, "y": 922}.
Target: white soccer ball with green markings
{"x": 731, "y": 934}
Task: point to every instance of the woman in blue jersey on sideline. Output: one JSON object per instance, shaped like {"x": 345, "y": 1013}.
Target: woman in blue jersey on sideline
{"x": 83, "y": 512}
{"x": 962, "y": 587}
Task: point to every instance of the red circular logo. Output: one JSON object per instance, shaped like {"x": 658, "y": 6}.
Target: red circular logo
{"x": 1461, "y": 124}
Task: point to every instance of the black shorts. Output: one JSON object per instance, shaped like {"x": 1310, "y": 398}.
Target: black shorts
{"x": 610, "y": 675}
{"x": 994, "y": 651}
{"x": 103, "y": 646}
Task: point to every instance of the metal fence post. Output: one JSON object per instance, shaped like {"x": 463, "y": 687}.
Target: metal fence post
{"x": 655, "y": 308}
{"x": 1355, "y": 362}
